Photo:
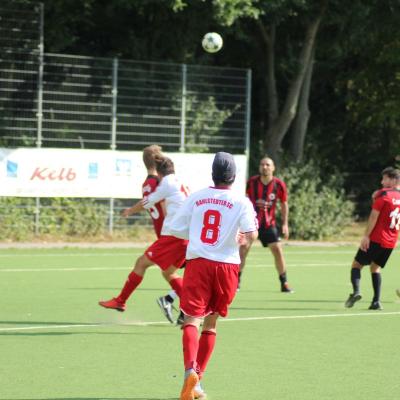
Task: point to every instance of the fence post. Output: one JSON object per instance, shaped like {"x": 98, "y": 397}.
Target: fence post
{"x": 248, "y": 112}
{"x": 39, "y": 113}
{"x": 37, "y": 216}
{"x": 114, "y": 93}
{"x": 111, "y": 217}
{"x": 183, "y": 108}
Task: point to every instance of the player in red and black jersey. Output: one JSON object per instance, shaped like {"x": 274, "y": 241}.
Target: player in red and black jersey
{"x": 157, "y": 214}
{"x": 264, "y": 191}
{"x": 380, "y": 237}
{"x": 167, "y": 251}
{"x": 150, "y": 184}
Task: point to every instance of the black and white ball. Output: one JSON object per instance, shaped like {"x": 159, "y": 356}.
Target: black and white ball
{"x": 212, "y": 42}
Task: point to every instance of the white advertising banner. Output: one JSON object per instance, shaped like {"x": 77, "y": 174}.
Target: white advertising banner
{"x": 29, "y": 172}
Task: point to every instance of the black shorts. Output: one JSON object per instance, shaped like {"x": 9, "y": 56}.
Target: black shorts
{"x": 375, "y": 253}
{"x": 268, "y": 235}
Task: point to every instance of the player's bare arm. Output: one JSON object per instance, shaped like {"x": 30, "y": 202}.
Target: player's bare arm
{"x": 249, "y": 237}
{"x": 285, "y": 218}
{"x": 373, "y": 217}
{"x": 245, "y": 239}
{"x": 137, "y": 207}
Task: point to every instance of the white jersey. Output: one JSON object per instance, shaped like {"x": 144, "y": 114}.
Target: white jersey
{"x": 211, "y": 219}
{"x": 173, "y": 192}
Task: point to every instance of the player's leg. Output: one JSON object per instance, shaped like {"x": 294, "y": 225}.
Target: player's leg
{"x": 190, "y": 344}
{"x": 376, "y": 278}
{"x": 165, "y": 302}
{"x": 173, "y": 278}
{"x": 133, "y": 281}
{"x": 194, "y": 301}
{"x": 170, "y": 296}
{"x": 280, "y": 265}
{"x": 222, "y": 285}
{"x": 380, "y": 256}
{"x": 355, "y": 277}
{"x": 169, "y": 252}
{"x": 206, "y": 342}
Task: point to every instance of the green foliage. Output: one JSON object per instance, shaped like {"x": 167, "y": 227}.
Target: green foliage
{"x": 59, "y": 217}
{"x": 364, "y": 90}
{"x": 228, "y": 11}
{"x": 204, "y": 120}
{"x": 17, "y": 217}
{"x": 354, "y": 104}
{"x": 318, "y": 207}
{"x": 72, "y": 217}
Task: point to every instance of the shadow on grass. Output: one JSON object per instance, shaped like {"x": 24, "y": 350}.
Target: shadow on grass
{"x": 42, "y": 328}
{"x": 50, "y": 323}
{"x": 118, "y": 289}
{"x": 32, "y": 334}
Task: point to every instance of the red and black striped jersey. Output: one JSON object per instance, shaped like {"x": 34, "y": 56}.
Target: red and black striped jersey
{"x": 156, "y": 212}
{"x": 386, "y": 229}
{"x": 265, "y": 197}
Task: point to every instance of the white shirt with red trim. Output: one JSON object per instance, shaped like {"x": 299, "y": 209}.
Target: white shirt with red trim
{"x": 173, "y": 192}
{"x": 211, "y": 219}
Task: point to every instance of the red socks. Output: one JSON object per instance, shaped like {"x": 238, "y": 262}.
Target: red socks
{"x": 176, "y": 284}
{"x": 206, "y": 347}
{"x": 131, "y": 284}
{"x": 190, "y": 345}
{"x": 197, "y": 352}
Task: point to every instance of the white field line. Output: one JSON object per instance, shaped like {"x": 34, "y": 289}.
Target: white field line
{"x": 142, "y": 323}
{"x": 99, "y": 254}
{"x": 69, "y": 269}
{"x": 136, "y": 252}
{"x": 84, "y": 269}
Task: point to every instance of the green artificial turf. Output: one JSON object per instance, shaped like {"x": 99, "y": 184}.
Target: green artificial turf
{"x": 57, "y": 343}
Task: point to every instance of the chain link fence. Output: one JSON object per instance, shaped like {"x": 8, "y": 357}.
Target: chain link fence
{"x": 69, "y": 101}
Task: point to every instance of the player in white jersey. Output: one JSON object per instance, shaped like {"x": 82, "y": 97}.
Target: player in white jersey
{"x": 173, "y": 192}
{"x": 168, "y": 252}
{"x": 216, "y": 221}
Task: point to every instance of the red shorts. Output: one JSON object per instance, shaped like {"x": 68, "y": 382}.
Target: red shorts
{"x": 208, "y": 287}
{"x": 167, "y": 251}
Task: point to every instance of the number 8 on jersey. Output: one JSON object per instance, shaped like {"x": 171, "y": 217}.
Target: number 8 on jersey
{"x": 211, "y": 226}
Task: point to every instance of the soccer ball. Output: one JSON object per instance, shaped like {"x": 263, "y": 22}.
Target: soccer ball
{"x": 212, "y": 42}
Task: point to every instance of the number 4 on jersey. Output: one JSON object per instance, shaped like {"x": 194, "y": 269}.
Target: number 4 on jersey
{"x": 211, "y": 227}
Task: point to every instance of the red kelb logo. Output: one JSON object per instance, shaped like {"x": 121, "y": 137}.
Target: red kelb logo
{"x": 53, "y": 174}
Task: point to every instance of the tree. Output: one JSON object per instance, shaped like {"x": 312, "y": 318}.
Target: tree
{"x": 356, "y": 88}
{"x": 269, "y": 17}
{"x": 324, "y": 71}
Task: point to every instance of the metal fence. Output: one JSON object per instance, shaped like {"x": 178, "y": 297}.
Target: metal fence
{"x": 58, "y": 100}
{"x": 119, "y": 104}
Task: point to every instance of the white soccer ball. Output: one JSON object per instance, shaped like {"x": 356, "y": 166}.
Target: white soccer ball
{"x": 212, "y": 42}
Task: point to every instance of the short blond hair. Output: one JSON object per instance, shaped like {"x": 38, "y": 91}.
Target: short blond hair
{"x": 149, "y": 155}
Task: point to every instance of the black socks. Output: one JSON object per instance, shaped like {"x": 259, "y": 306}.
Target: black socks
{"x": 355, "y": 280}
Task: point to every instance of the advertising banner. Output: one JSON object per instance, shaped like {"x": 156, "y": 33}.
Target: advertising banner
{"x": 31, "y": 172}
